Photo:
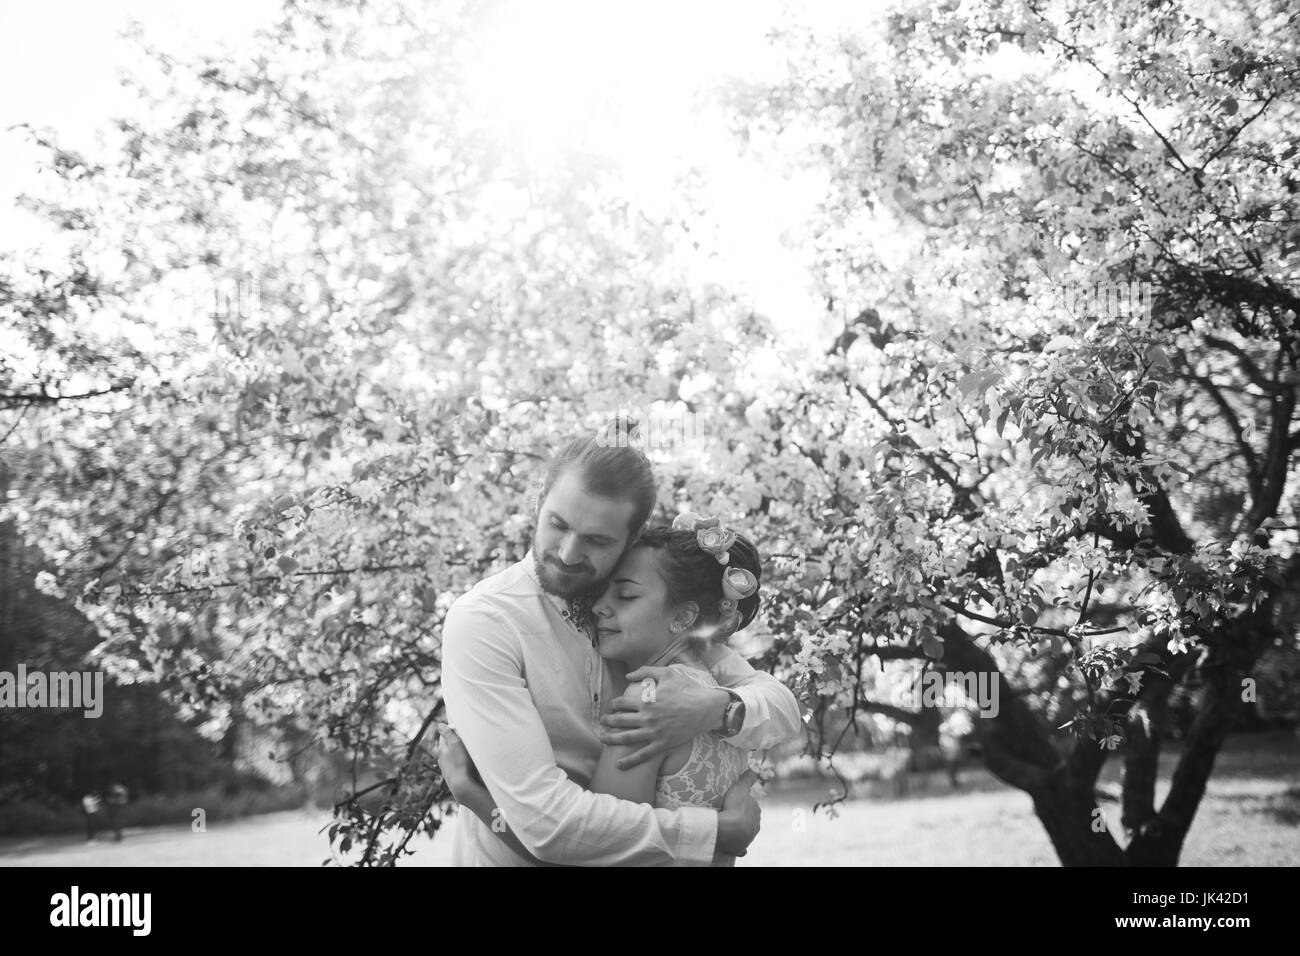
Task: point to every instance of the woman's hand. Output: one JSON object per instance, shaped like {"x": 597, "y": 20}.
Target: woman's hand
{"x": 458, "y": 768}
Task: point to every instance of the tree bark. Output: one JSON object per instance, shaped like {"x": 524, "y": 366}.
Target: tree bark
{"x": 1067, "y": 808}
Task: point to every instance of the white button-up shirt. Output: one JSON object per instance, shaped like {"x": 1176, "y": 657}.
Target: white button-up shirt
{"x": 525, "y": 688}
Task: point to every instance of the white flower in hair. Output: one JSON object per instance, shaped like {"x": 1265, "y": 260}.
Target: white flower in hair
{"x": 710, "y": 535}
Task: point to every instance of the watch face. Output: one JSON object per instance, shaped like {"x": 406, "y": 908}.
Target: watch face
{"x": 733, "y": 711}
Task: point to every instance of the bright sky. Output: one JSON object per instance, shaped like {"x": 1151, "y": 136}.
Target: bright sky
{"x": 62, "y": 59}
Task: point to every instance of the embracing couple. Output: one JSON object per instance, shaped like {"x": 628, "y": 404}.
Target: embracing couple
{"x": 598, "y": 716}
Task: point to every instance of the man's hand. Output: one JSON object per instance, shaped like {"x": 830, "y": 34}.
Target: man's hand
{"x": 738, "y": 820}
{"x": 680, "y": 712}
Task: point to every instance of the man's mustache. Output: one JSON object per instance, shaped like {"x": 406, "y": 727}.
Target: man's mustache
{"x": 584, "y": 566}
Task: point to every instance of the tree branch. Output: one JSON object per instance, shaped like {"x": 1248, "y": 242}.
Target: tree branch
{"x": 25, "y": 399}
{"x": 1253, "y": 371}
{"x": 1234, "y": 424}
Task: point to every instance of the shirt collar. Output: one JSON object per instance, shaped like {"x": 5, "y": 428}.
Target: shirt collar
{"x": 576, "y": 612}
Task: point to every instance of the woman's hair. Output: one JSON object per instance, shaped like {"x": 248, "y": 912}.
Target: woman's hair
{"x": 693, "y": 574}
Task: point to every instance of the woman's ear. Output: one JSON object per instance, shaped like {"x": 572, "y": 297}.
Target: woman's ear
{"x": 686, "y": 616}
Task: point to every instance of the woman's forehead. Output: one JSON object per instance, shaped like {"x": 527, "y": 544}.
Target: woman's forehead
{"x": 638, "y": 565}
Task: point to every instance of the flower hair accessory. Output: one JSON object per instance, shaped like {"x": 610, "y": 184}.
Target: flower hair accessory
{"x": 737, "y": 583}
{"x": 710, "y": 535}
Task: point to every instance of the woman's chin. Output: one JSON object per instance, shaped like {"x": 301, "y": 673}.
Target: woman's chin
{"x": 615, "y": 656}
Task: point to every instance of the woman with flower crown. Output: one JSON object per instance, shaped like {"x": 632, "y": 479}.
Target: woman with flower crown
{"x": 673, "y": 600}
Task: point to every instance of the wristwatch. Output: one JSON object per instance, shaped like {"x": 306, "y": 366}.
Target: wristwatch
{"x": 733, "y": 716}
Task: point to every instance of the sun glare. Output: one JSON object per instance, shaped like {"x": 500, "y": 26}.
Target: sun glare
{"x": 557, "y": 82}
{"x": 577, "y": 77}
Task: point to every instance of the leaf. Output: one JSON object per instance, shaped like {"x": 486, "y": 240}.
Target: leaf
{"x": 923, "y": 436}
{"x": 968, "y": 383}
{"x": 1002, "y": 421}
{"x": 1057, "y": 343}
{"x": 287, "y": 564}
{"x": 1229, "y": 105}
{"x": 977, "y": 383}
{"x": 933, "y": 646}
{"x": 1156, "y": 355}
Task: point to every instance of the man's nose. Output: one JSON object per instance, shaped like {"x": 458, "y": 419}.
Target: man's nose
{"x": 569, "y": 552}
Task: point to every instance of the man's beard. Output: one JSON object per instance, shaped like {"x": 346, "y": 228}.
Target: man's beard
{"x": 552, "y": 583}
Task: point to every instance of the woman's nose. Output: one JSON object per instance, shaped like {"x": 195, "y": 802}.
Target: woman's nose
{"x": 601, "y": 608}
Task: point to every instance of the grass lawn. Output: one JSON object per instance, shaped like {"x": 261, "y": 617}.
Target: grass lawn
{"x": 1250, "y": 817}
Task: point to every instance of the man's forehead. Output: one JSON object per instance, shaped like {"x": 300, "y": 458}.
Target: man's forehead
{"x": 585, "y": 511}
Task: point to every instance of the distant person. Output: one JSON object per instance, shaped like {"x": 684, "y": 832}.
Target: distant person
{"x": 90, "y": 804}
{"x": 117, "y": 798}
{"x": 952, "y": 742}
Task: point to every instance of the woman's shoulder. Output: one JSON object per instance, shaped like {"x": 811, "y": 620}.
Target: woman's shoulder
{"x": 694, "y": 671}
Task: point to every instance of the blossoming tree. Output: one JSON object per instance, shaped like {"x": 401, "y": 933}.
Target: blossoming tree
{"x": 1042, "y": 431}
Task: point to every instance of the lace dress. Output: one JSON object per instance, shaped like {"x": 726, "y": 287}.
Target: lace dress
{"x": 713, "y": 766}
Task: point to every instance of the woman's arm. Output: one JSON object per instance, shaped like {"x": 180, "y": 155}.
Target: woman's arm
{"x": 636, "y": 783}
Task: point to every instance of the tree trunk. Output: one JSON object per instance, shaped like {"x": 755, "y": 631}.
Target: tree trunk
{"x": 1018, "y": 750}
{"x": 1233, "y": 651}
{"x": 1069, "y": 813}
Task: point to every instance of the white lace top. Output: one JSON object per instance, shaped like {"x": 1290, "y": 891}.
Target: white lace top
{"x": 713, "y": 766}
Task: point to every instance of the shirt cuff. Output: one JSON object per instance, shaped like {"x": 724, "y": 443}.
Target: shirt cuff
{"x": 698, "y": 835}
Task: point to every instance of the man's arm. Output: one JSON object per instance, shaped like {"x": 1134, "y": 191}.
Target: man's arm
{"x": 461, "y": 777}
{"x": 771, "y": 710}
{"x": 683, "y": 709}
{"x": 489, "y": 705}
